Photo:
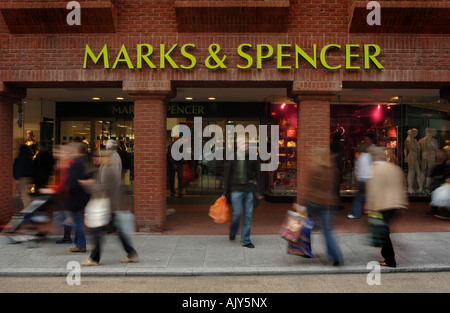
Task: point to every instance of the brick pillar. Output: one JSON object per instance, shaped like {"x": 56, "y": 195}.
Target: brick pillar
{"x": 7, "y": 100}
{"x": 150, "y": 112}
{"x": 313, "y": 133}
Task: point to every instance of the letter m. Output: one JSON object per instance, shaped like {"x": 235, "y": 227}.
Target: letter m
{"x": 103, "y": 53}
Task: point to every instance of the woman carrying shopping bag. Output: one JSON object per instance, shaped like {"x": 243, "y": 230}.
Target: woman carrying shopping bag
{"x": 98, "y": 210}
{"x": 385, "y": 196}
{"x": 320, "y": 199}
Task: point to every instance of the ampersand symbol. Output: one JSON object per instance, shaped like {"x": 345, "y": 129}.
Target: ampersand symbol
{"x": 213, "y": 51}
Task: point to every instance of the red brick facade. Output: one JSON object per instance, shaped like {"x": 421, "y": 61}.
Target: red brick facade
{"x": 38, "y": 49}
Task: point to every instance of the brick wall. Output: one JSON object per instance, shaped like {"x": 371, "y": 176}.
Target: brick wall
{"x": 150, "y": 163}
{"x": 6, "y": 158}
{"x": 313, "y": 134}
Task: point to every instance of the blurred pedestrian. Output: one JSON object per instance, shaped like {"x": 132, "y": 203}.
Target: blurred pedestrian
{"x": 174, "y": 167}
{"x": 320, "y": 198}
{"x": 363, "y": 167}
{"x": 59, "y": 189}
{"x": 105, "y": 185}
{"x": 243, "y": 187}
{"x": 337, "y": 152}
{"x": 437, "y": 175}
{"x": 43, "y": 166}
{"x": 385, "y": 196}
{"x": 77, "y": 198}
{"x": 23, "y": 173}
{"x": 116, "y": 194}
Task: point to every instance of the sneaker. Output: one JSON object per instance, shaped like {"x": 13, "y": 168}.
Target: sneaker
{"x": 75, "y": 249}
{"x": 351, "y": 216}
{"x": 249, "y": 245}
{"x": 89, "y": 262}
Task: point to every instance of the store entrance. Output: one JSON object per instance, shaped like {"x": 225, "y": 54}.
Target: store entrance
{"x": 205, "y": 176}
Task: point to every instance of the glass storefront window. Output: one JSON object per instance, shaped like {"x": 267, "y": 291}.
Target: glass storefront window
{"x": 394, "y": 127}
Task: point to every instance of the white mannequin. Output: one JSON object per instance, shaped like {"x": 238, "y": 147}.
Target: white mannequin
{"x": 412, "y": 157}
{"x": 428, "y": 145}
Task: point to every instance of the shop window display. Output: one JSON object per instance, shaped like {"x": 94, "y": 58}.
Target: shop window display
{"x": 283, "y": 181}
{"x": 410, "y": 135}
{"x": 353, "y": 122}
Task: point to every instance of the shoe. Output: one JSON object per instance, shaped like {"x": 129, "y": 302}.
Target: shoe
{"x": 337, "y": 263}
{"x": 432, "y": 212}
{"x": 351, "y": 216}
{"x": 232, "y": 237}
{"x": 75, "y": 249}
{"x": 382, "y": 263}
{"x": 249, "y": 245}
{"x": 64, "y": 240}
{"x": 131, "y": 259}
{"x": 89, "y": 262}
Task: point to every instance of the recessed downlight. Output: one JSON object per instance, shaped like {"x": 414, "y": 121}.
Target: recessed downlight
{"x": 95, "y": 98}
{"x": 211, "y": 98}
{"x": 189, "y": 98}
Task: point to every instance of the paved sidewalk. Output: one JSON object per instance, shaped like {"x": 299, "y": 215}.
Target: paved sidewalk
{"x": 216, "y": 255}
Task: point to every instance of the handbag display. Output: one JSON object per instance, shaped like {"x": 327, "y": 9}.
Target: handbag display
{"x": 97, "y": 212}
{"x": 220, "y": 211}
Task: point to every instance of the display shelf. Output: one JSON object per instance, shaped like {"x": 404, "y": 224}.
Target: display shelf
{"x": 283, "y": 181}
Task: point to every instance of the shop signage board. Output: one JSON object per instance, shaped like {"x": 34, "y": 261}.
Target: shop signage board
{"x": 288, "y": 57}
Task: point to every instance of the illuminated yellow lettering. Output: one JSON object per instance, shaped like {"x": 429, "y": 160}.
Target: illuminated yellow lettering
{"x": 323, "y": 60}
{"x": 244, "y": 55}
{"x": 144, "y": 57}
{"x": 103, "y": 53}
{"x": 123, "y": 51}
{"x": 280, "y": 56}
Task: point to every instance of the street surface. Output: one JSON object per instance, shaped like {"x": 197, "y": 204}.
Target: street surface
{"x": 436, "y": 282}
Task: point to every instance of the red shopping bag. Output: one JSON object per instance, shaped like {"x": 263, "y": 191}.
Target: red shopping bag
{"x": 220, "y": 211}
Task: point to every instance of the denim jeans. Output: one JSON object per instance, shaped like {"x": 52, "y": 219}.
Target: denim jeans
{"x": 359, "y": 200}
{"x": 325, "y": 215}
{"x": 78, "y": 228}
{"x": 242, "y": 203}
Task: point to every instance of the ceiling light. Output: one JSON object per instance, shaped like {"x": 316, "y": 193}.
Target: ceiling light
{"x": 211, "y": 98}
{"x": 96, "y": 98}
{"x": 119, "y": 98}
{"x": 189, "y": 98}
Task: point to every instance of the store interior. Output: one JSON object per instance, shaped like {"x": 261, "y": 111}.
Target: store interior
{"x": 388, "y": 114}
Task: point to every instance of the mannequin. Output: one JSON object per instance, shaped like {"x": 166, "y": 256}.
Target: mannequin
{"x": 412, "y": 157}
{"x": 428, "y": 146}
{"x": 31, "y": 143}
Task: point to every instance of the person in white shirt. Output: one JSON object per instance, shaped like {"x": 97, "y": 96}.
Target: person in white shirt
{"x": 363, "y": 172}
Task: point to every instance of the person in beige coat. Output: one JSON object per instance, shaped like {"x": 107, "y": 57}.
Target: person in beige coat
{"x": 386, "y": 194}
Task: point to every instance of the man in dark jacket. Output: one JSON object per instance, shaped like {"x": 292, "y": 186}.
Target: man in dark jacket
{"x": 77, "y": 197}
{"x": 241, "y": 175}
{"x": 23, "y": 173}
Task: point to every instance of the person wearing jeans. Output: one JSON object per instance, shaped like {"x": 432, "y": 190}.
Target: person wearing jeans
{"x": 326, "y": 217}
{"x": 241, "y": 175}
{"x": 320, "y": 199}
{"x": 363, "y": 167}
{"x": 242, "y": 203}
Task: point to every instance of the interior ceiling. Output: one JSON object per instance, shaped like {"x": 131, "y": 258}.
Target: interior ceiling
{"x": 277, "y": 95}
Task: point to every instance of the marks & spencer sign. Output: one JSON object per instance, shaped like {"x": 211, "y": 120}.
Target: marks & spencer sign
{"x": 287, "y": 56}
